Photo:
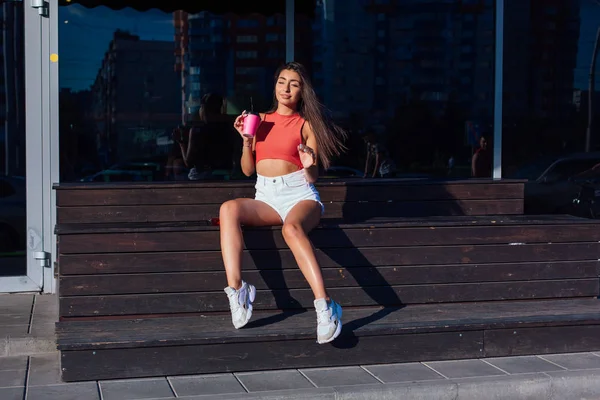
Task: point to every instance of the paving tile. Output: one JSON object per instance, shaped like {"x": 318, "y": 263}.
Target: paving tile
{"x": 464, "y": 368}
{"x": 340, "y": 376}
{"x": 15, "y": 330}
{"x": 304, "y": 394}
{"x": 523, "y": 364}
{"x": 16, "y": 393}
{"x": 16, "y": 303}
{"x": 574, "y": 361}
{"x": 44, "y": 370}
{"x": 13, "y": 319}
{"x": 67, "y": 391}
{"x": 409, "y": 372}
{"x": 13, "y": 378}
{"x": 44, "y": 330}
{"x": 46, "y": 304}
{"x": 29, "y": 345}
{"x": 274, "y": 380}
{"x": 45, "y": 310}
{"x": 13, "y": 363}
{"x": 206, "y": 385}
{"x": 136, "y": 389}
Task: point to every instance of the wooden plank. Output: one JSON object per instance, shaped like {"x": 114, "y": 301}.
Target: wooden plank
{"x": 324, "y": 238}
{"x": 198, "y": 261}
{"x": 546, "y": 340}
{"x": 346, "y": 210}
{"x": 274, "y": 326}
{"x": 190, "y": 194}
{"x": 348, "y": 350}
{"x": 250, "y": 183}
{"x": 303, "y": 299}
{"x": 328, "y": 223}
{"x": 173, "y": 282}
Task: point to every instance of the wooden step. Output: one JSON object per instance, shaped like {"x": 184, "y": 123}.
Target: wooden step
{"x": 355, "y": 199}
{"x": 129, "y": 269}
{"x": 207, "y": 343}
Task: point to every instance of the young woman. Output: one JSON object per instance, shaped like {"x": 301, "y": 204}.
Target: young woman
{"x": 291, "y": 141}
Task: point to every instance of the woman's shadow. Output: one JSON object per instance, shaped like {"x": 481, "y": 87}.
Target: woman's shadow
{"x": 364, "y": 203}
{"x": 263, "y": 253}
{"x": 342, "y": 253}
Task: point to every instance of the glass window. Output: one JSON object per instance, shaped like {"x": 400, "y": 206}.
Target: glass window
{"x": 547, "y": 55}
{"x": 390, "y": 74}
{"x": 133, "y": 82}
{"x": 13, "y": 216}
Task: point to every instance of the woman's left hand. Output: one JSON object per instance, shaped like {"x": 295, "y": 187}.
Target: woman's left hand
{"x": 307, "y": 156}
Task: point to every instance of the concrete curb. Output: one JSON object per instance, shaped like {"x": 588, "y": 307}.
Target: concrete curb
{"x": 584, "y": 384}
{"x": 27, "y": 346}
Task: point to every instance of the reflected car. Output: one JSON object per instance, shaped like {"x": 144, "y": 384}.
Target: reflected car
{"x": 549, "y": 188}
{"x": 336, "y": 172}
{"x": 13, "y": 214}
{"x": 134, "y": 171}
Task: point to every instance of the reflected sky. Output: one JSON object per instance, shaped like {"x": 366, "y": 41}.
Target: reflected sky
{"x": 84, "y": 35}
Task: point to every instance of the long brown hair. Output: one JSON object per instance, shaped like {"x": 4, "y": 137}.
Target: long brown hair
{"x": 329, "y": 136}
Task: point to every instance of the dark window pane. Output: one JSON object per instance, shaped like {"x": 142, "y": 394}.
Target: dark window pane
{"x": 13, "y": 217}
{"x": 548, "y": 49}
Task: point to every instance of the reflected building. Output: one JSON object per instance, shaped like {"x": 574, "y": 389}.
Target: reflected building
{"x": 201, "y": 57}
{"x": 135, "y": 98}
{"x": 540, "y": 58}
{"x": 233, "y": 55}
{"x": 376, "y": 56}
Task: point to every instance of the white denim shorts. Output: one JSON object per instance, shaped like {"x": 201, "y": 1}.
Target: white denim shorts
{"x": 282, "y": 193}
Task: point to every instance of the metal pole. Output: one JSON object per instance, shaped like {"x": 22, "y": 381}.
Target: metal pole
{"x": 289, "y": 30}
{"x": 497, "y": 172}
{"x": 588, "y": 133}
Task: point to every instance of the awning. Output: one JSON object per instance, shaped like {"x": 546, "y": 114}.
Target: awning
{"x": 306, "y": 7}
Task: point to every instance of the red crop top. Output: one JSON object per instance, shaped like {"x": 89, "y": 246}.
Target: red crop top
{"x": 278, "y": 137}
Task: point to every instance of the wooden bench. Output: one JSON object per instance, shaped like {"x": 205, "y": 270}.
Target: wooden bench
{"x": 145, "y": 298}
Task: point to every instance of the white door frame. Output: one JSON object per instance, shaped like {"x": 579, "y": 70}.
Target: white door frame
{"x": 51, "y": 172}
{"x": 498, "y": 89}
{"x": 37, "y": 154}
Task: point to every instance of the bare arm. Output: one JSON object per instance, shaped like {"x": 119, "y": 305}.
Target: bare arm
{"x": 377, "y": 161}
{"x": 247, "y": 161}
{"x": 308, "y": 155}
{"x": 185, "y": 148}
{"x": 367, "y": 163}
{"x": 473, "y": 162}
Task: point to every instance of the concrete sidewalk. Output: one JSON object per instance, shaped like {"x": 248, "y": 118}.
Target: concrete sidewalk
{"x": 36, "y": 375}
{"x": 27, "y": 324}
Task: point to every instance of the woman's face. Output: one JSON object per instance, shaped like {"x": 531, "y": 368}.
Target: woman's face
{"x": 288, "y": 88}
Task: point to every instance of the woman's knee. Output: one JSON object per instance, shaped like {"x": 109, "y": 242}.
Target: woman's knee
{"x": 230, "y": 210}
{"x": 292, "y": 231}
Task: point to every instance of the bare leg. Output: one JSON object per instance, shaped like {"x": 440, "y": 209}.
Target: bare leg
{"x": 304, "y": 217}
{"x": 234, "y": 214}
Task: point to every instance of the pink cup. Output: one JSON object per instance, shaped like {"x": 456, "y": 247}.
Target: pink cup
{"x": 251, "y": 123}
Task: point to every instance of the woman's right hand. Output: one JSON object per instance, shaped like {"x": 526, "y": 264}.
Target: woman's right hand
{"x": 239, "y": 123}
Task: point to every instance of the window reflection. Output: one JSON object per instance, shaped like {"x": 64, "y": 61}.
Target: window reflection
{"x": 412, "y": 82}
{"x": 13, "y": 217}
{"x": 546, "y": 98}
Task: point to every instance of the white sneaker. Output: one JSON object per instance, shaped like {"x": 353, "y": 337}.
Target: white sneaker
{"x": 240, "y": 303}
{"x": 329, "y": 320}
